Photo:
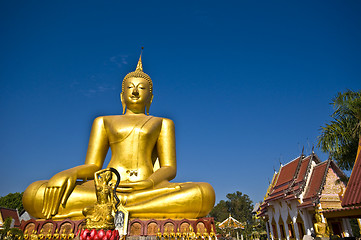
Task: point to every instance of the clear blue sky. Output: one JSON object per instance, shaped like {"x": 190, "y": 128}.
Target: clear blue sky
{"x": 247, "y": 83}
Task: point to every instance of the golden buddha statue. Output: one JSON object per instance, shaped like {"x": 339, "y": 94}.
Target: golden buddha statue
{"x": 321, "y": 228}
{"x": 143, "y": 152}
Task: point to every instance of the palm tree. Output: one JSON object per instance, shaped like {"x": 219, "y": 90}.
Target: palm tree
{"x": 7, "y": 232}
{"x": 340, "y": 137}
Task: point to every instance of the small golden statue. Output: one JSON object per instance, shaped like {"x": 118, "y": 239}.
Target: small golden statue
{"x": 192, "y": 234}
{"x": 159, "y": 235}
{"x": 172, "y": 234}
{"x": 212, "y": 235}
{"x": 49, "y": 235}
{"x": 166, "y": 236}
{"x": 178, "y": 234}
{"x": 56, "y": 234}
{"x": 34, "y": 236}
{"x": 321, "y": 228}
{"x": 63, "y": 235}
{"x": 205, "y": 234}
{"x": 198, "y": 235}
{"x": 101, "y": 215}
{"x": 26, "y": 235}
{"x": 41, "y": 234}
{"x": 71, "y": 234}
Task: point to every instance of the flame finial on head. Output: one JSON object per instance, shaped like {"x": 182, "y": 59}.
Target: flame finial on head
{"x": 138, "y": 73}
{"x": 140, "y": 65}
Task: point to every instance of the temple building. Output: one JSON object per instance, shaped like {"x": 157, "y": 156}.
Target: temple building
{"x": 351, "y": 199}
{"x": 231, "y": 223}
{"x": 6, "y": 213}
{"x": 300, "y": 190}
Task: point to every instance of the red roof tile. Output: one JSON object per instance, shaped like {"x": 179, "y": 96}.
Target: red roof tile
{"x": 275, "y": 196}
{"x": 353, "y": 191}
{"x": 287, "y": 172}
{"x": 303, "y": 168}
{"x": 316, "y": 180}
{"x": 291, "y": 178}
{"x": 306, "y": 203}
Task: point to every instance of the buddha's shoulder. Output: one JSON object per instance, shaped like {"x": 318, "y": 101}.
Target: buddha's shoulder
{"x": 107, "y": 118}
{"x": 166, "y": 121}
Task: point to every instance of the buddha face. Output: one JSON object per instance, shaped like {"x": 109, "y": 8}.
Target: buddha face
{"x": 136, "y": 94}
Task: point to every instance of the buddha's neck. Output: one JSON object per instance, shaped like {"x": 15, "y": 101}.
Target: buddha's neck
{"x": 130, "y": 112}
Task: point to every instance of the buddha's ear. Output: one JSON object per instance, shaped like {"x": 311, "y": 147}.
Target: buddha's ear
{"x": 123, "y": 102}
{"x": 148, "y": 104}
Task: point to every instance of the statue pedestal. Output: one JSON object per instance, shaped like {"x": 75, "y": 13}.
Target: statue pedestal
{"x": 138, "y": 229}
{"x": 149, "y": 227}
{"x": 66, "y": 226}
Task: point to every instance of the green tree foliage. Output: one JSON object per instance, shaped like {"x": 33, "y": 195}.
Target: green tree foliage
{"x": 220, "y": 211}
{"x": 340, "y": 137}
{"x": 237, "y": 204}
{"x": 240, "y": 206}
{"x": 12, "y": 200}
{"x": 9, "y": 233}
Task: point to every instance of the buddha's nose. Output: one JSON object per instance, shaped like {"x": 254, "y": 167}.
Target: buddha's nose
{"x": 135, "y": 92}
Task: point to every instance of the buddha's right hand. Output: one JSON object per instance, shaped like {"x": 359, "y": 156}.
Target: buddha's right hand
{"x": 57, "y": 191}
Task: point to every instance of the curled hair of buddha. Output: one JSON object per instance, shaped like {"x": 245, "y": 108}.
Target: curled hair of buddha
{"x": 138, "y": 73}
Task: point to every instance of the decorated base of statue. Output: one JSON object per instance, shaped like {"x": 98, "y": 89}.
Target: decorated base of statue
{"x": 50, "y": 229}
{"x": 152, "y": 227}
{"x": 136, "y": 229}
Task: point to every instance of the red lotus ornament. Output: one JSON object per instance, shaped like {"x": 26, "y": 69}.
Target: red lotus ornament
{"x": 93, "y": 233}
{"x": 101, "y": 234}
{"x": 108, "y": 234}
{"x": 84, "y": 234}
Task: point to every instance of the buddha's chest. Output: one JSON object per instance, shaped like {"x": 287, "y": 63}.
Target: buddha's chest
{"x": 133, "y": 128}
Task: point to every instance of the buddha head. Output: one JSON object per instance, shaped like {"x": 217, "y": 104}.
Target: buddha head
{"x": 318, "y": 217}
{"x": 107, "y": 176}
{"x": 137, "y": 90}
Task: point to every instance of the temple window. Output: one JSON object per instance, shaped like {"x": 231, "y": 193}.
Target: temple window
{"x": 291, "y": 231}
{"x": 274, "y": 230}
{"x": 282, "y": 229}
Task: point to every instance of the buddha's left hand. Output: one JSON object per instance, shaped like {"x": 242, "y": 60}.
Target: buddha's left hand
{"x": 134, "y": 186}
